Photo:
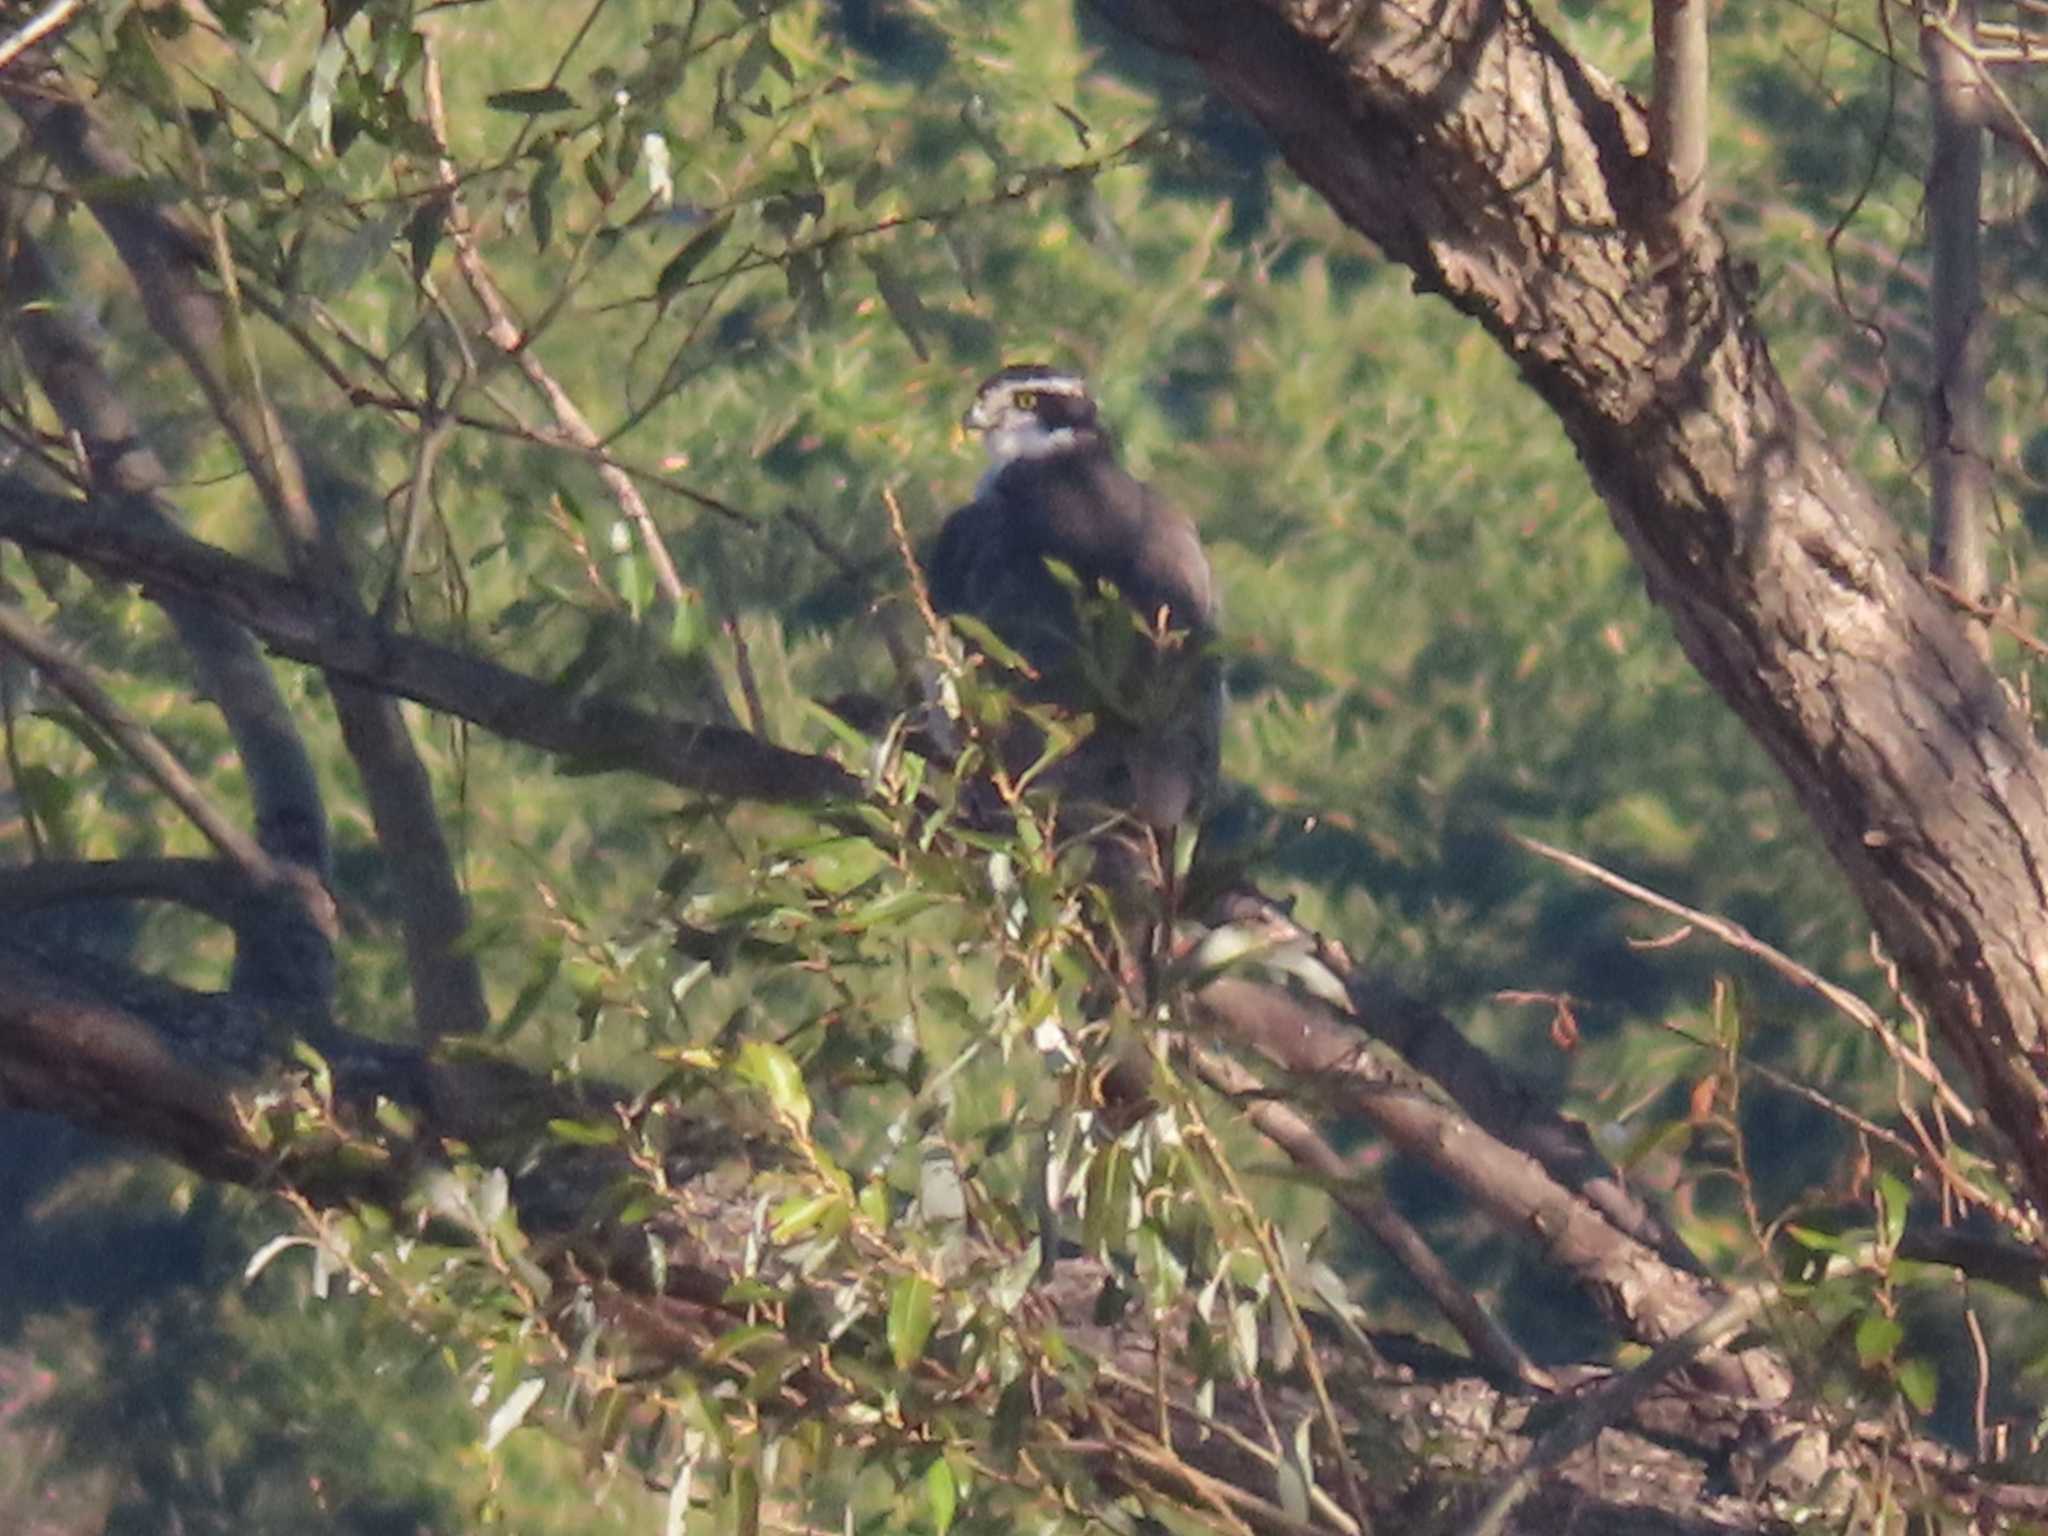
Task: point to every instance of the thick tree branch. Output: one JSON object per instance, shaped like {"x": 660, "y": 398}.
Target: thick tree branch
{"x": 205, "y": 885}
{"x": 1474, "y": 148}
{"x": 1642, "y": 1296}
{"x": 592, "y": 732}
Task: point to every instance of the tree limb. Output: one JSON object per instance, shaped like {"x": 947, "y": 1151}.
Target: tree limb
{"x": 591, "y": 731}
{"x": 1511, "y": 178}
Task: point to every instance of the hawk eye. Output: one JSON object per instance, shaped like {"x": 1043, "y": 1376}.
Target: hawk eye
{"x": 1027, "y": 399}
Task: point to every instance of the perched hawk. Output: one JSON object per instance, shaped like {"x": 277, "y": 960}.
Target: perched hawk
{"x": 1055, "y": 492}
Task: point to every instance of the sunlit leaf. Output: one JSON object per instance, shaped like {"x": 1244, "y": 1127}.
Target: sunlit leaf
{"x": 941, "y": 1495}
{"x": 910, "y": 1319}
{"x": 511, "y": 1413}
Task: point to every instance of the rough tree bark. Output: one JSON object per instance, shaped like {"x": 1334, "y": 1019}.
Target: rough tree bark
{"x": 1466, "y": 141}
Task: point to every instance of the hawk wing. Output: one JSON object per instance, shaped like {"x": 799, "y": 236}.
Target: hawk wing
{"x": 1155, "y": 749}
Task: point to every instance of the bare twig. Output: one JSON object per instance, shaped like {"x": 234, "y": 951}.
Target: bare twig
{"x": 1735, "y": 936}
{"x": 41, "y": 27}
{"x": 1992, "y": 614}
{"x": 750, "y": 687}
{"x": 511, "y": 339}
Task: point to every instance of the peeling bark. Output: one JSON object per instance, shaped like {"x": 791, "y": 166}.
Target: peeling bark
{"x": 1467, "y": 142}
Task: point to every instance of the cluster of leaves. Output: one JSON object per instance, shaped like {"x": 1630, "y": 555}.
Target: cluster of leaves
{"x": 921, "y": 1132}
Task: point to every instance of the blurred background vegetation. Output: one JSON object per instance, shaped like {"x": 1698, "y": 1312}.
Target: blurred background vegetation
{"x": 1435, "y": 635}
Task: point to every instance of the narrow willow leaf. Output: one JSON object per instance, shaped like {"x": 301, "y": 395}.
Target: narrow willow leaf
{"x": 942, "y": 1494}
{"x": 1919, "y": 1381}
{"x": 512, "y": 1412}
{"x": 531, "y": 103}
{"x": 905, "y": 307}
{"x": 775, "y": 1072}
{"x": 910, "y": 1319}
{"x": 668, "y": 283}
{"x": 1877, "y": 1336}
{"x": 260, "y": 1259}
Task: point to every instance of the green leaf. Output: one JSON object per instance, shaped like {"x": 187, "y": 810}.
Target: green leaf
{"x": 844, "y": 864}
{"x": 580, "y": 1133}
{"x": 423, "y": 234}
{"x": 759, "y": 54}
{"x": 1896, "y": 1200}
{"x": 669, "y": 282}
{"x": 895, "y": 907}
{"x": 795, "y": 1217}
{"x": 396, "y": 1120}
{"x": 876, "y": 1205}
{"x": 531, "y": 103}
{"x": 1920, "y": 1382}
{"x": 1159, "y": 1268}
{"x": 540, "y": 199}
{"x": 512, "y": 1412}
{"x": 869, "y": 183}
{"x": 941, "y": 1493}
{"x": 988, "y": 642}
{"x": 366, "y": 243}
{"x": 774, "y": 1071}
{"x": 1877, "y": 1337}
{"x": 738, "y": 1340}
{"x": 910, "y": 1319}
{"x": 1014, "y": 1411}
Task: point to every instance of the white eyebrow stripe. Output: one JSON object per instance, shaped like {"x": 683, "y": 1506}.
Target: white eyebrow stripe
{"x": 1051, "y": 384}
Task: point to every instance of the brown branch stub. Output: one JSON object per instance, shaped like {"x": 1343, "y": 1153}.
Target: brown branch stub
{"x": 1678, "y": 112}
{"x": 45, "y": 25}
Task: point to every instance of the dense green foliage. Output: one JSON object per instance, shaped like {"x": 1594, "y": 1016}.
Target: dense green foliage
{"x": 1434, "y": 638}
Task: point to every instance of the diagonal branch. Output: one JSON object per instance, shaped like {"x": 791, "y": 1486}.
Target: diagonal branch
{"x": 75, "y": 681}
{"x": 1322, "y": 1048}
{"x": 592, "y": 731}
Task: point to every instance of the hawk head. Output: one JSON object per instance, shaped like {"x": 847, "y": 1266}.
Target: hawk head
{"x": 1028, "y": 410}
